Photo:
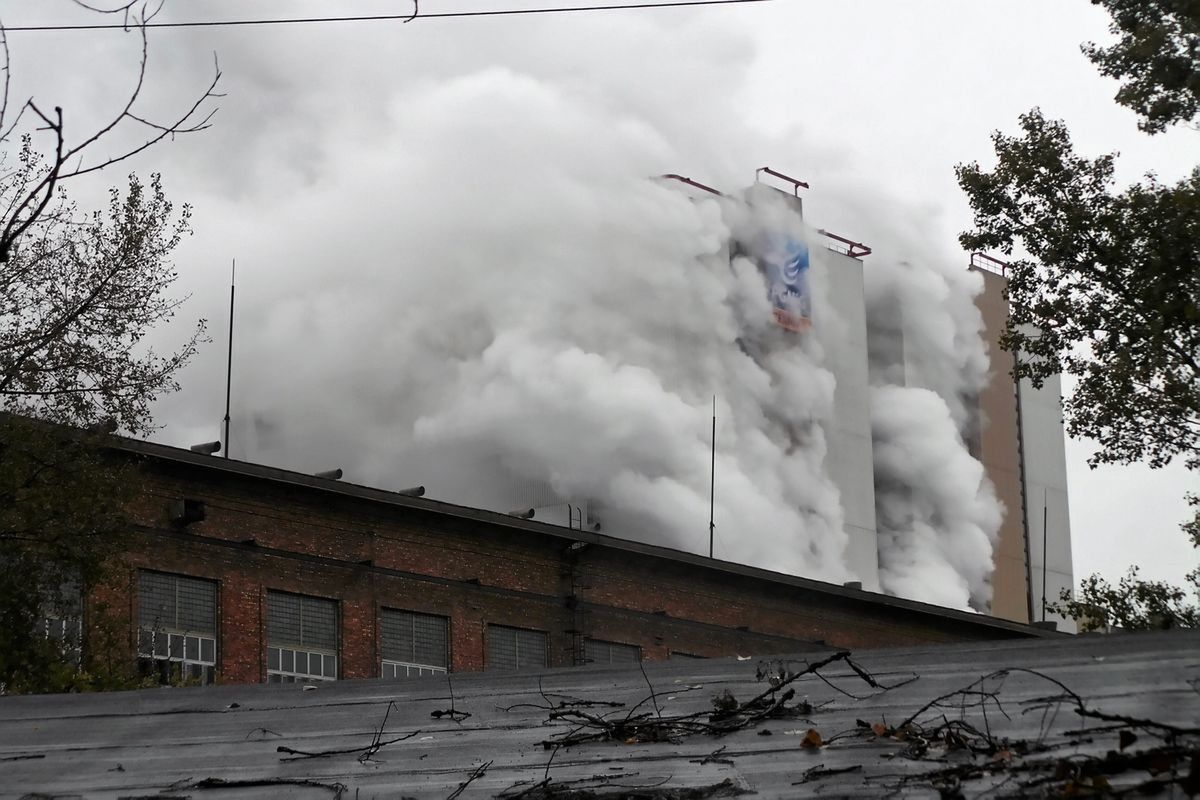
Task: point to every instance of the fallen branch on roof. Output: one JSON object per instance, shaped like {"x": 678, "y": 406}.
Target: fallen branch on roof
{"x": 364, "y": 753}
{"x": 566, "y": 701}
{"x": 338, "y": 789}
{"x": 955, "y": 728}
{"x": 547, "y": 790}
{"x": 714, "y": 758}
{"x": 475, "y": 775}
{"x": 451, "y": 712}
{"x": 819, "y": 771}
{"x": 728, "y": 714}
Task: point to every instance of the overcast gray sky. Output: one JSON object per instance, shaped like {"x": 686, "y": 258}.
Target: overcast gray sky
{"x": 312, "y": 160}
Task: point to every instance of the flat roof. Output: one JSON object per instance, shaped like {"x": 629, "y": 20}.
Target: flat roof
{"x": 226, "y": 466}
{"x": 985, "y": 717}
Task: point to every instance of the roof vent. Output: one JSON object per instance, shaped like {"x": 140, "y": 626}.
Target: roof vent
{"x": 522, "y": 513}
{"x": 330, "y": 474}
{"x": 413, "y": 491}
{"x": 856, "y": 585}
{"x": 206, "y": 448}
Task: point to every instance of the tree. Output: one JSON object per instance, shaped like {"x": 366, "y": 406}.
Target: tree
{"x": 1132, "y": 605}
{"x": 1105, "y": 285}
{"x": 1108, "y": 289}
{"x": 1156, "y": 53}
{"x": 61, "y": 524}
{"x": 78, "y": 295}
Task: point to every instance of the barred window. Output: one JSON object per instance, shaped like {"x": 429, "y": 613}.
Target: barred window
{"x": 177, "y": 627}
{"x": 516, "y": 648}
{"x": 596, "y": 651}
{"x": 413, "y": 644}
{"x": 62, "y": 621}
{"x": 302, "y": 638}
{"x": 67, "y": 634}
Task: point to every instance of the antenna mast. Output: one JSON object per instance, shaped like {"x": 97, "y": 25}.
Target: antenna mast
{"x": 1045, "y": 518}
{"x": 229, "y": 356}
{"x": 712, "y": 481}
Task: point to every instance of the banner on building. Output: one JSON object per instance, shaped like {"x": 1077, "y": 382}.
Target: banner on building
{"x": 784, "y": 262}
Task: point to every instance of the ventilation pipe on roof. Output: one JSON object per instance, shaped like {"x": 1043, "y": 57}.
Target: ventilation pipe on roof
{"x": 857, "y": 585}
{"x": 413, "y": 491}
{"x": 206, "y": 448}
{"x": 522, "y": 513}
{"x": 330, "y": 474}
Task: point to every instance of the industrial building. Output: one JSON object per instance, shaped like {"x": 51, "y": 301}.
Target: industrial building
{"x": 246, "y": 573}
{"x": 1016, "y": 431}
{"x": 1021, "y": 444}
{"x": 240, "y": 572}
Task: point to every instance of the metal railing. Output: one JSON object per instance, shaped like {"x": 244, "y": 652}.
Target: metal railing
{"x": 989, "y": 264}
{"x": 796, "y": 184}
{"x": 671, "y": 176}
{"x": 846, "y": 246}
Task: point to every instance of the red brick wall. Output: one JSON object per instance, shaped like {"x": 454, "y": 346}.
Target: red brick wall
{"x": 260, "y": 535}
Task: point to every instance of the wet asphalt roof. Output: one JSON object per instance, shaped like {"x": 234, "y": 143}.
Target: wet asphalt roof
{"x": 1018, "y": 733}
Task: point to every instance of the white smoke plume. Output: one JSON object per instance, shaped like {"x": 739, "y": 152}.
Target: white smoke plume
{"x": 571, "y": 333}
{"x": 936, "y": 510}
{"x": 937, "y": 513}
{"x": 454, "y": 270}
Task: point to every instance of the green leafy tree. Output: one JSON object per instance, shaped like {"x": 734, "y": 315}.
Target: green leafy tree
{"x": 1132, "y": 605}
{"x": 61, "y": 524}
{"x": 1156, "y": 55}
{"x": 1106, "y": 288}
{"x": 79, "y": 293}
{"x": 1104, "y": 284}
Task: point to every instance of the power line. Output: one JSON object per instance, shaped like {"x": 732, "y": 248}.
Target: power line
{"x": 505, "y": 12}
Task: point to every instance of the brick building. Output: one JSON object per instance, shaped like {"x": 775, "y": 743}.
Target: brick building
{"x": 255, "y": 574}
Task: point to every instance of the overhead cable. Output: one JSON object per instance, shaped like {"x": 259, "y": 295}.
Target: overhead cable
{"x": 504, "y": 12}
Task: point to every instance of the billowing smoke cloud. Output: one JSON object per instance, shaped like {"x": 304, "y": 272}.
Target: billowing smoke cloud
{"x": 567, "y": 334}
{"x": 454, "y": 270}
{"x": 936, "y": 511}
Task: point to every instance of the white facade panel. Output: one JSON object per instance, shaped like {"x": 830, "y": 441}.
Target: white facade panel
{"x": 840, "y": 325}
{"x": 1046, "y": 498}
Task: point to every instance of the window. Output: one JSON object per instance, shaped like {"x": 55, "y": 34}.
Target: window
{"x": 413, "y": 644}
{"x": 302, "y": 636}
{"x": 68, "y": 635}
{"x": 177, "y": 627}
{"x": 516, "y": 648}
{"x": 596, "y": 651}
{"x": 62, "y": 621}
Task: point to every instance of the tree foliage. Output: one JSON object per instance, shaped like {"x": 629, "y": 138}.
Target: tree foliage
{"x": 79, "y": 293}
{"x": 1132, "y": 605}
{"x": 1106, "y": 288}
{"x": 61, "y": 522}
{"x": 1104, "y": 284}
{"x": 1156, "y": 55}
